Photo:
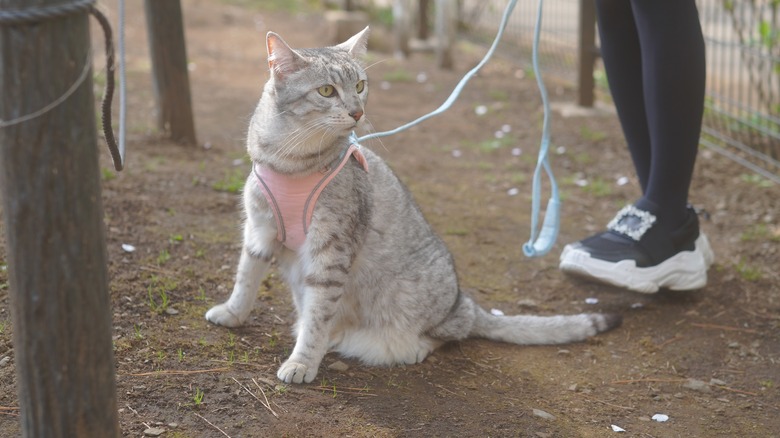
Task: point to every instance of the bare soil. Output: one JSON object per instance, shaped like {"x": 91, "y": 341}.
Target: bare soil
{"x": 708, "y": 359}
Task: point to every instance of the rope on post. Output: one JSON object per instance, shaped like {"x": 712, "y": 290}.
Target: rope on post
{"x": 29, "y": 16}
{"x": 18, "y": 17}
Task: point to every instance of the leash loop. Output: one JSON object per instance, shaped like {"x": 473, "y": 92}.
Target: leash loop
{"x": 540, "y": 241}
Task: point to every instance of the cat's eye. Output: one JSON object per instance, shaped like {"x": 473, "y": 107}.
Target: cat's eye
{"x": 326, "y": 91}
{"x": 360, "y": 86}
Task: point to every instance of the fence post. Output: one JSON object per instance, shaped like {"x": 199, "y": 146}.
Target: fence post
{"x": 55, "y": 243}
{"x": 169, "y": 66}
{"x": 587, "y": 53}
{"x": 446, "y": 32}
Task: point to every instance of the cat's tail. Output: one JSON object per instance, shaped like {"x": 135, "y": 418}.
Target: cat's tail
{"x": 540, "y": 330}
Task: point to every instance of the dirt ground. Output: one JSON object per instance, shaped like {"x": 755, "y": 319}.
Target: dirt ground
{"x": 708, "y": 359}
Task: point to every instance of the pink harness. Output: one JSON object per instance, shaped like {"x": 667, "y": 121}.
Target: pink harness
{"x": 292, "y": 199}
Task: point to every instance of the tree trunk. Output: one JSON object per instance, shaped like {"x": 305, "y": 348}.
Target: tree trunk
{"x": 54, "y": 230}
{"x": 169, "y": 64}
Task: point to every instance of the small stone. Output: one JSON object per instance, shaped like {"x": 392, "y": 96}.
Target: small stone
{"x": 528, "y": 303}
{"x": 563, "y": 352}
{"x": 543, "y": 414}
{"x": 697, "y": 385}
{"x": 573, "y": 387}
{"x": 644, "y": 418}
{"x": 734, "y": 345}
{"x": 154, "y": 431}
{"x": 338, "y": 366}
{"x": 661, "y": 418}
{"x": 171, "y": 311}
{"x": 173, "y": 425}
{"x": 4, "y": 361}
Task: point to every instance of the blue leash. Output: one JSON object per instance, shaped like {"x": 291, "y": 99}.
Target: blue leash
{"x": 537, "y": 245}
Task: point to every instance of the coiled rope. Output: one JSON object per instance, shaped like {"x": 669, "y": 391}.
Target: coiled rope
{"x": 29, "y": 16}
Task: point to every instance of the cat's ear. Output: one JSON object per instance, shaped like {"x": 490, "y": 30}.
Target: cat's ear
{"x": 282, "y": 60}
{"x": 356, "y": 46}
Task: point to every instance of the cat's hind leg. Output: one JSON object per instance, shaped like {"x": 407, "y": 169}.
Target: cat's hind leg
{"x": 458, "y": 323}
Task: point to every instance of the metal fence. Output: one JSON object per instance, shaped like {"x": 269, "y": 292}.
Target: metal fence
{"x": 742, "y": 108}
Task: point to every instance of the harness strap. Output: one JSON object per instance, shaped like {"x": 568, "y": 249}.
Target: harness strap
{"x": 297, "y": 196}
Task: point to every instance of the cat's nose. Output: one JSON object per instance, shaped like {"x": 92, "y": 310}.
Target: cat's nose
{"x": 356, "y": 115}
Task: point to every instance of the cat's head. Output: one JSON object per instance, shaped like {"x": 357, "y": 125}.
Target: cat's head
{"x": 324, "y": 89}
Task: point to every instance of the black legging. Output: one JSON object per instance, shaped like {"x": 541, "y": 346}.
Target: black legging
{"x": 653, "y": 52}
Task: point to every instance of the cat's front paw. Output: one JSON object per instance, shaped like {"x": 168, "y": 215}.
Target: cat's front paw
{"x": 222, "y": 315}
{"x": 296, "y": 372}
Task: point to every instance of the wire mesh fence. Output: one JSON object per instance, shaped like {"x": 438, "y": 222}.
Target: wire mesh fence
{"x": 742, "y": 108}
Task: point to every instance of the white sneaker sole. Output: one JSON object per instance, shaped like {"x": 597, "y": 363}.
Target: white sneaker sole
{"x": 686, "y": 270}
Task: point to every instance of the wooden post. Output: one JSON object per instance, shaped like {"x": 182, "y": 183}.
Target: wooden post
{"x": 587, "y": 53}
{"x": 402, "y": 24}
{"x": 55, "y": 241}
{"x": 169, "y": 65}
{"x": 422, "y": 22}
{"x": 446, "y": 32}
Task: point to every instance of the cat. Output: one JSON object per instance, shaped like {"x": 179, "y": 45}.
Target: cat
{"x": 369, "y": 277}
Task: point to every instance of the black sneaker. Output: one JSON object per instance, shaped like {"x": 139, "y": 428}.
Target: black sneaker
{"x": 634, "y": 254}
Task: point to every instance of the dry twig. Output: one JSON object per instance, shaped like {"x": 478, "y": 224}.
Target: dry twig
{"x": 628, "y": 408}
{"x": 723, "y": 327}
{"x": 267, "y": 404}
{"x": 176, "y": 372}
{"x": 264, "y": 403}
{"x": 212, "y": 424}
{"x": 725, "y": 388}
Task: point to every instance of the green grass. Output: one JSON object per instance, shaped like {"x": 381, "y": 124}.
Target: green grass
{"x": 598, "y": 187}
{"x": 163, "y": 257}
{"x": 107, "y": 174}
{"x": 498, "y": 95}
{"x": 583, "y": 158}
{"x": 232, "y": 182}
{"x": 491, "y": 144}
{"x": 175, "y": 238}
{"x": 749, "y": 273}
{"x": 197, "y": 398}
{"x": 591, "y": 135}
{"x": 456, "y": 232}
{"x": 756, "y": 179}
{"x": 291, "y": 6}
{"x": 157, "y": 292}
{"x": 760, "y": 232}
{"x": 398, "y": 75}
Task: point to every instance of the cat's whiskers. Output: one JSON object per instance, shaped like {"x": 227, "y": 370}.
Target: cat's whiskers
{"x": 299, "y": 136}
{"x": 371, "y": 130}
{"x": 378, "y": 62}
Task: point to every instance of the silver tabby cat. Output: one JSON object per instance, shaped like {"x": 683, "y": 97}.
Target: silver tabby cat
{"x": 371, "y": 280}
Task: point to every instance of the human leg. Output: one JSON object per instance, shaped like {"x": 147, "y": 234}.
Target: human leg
{"x": 659, "y": 94}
